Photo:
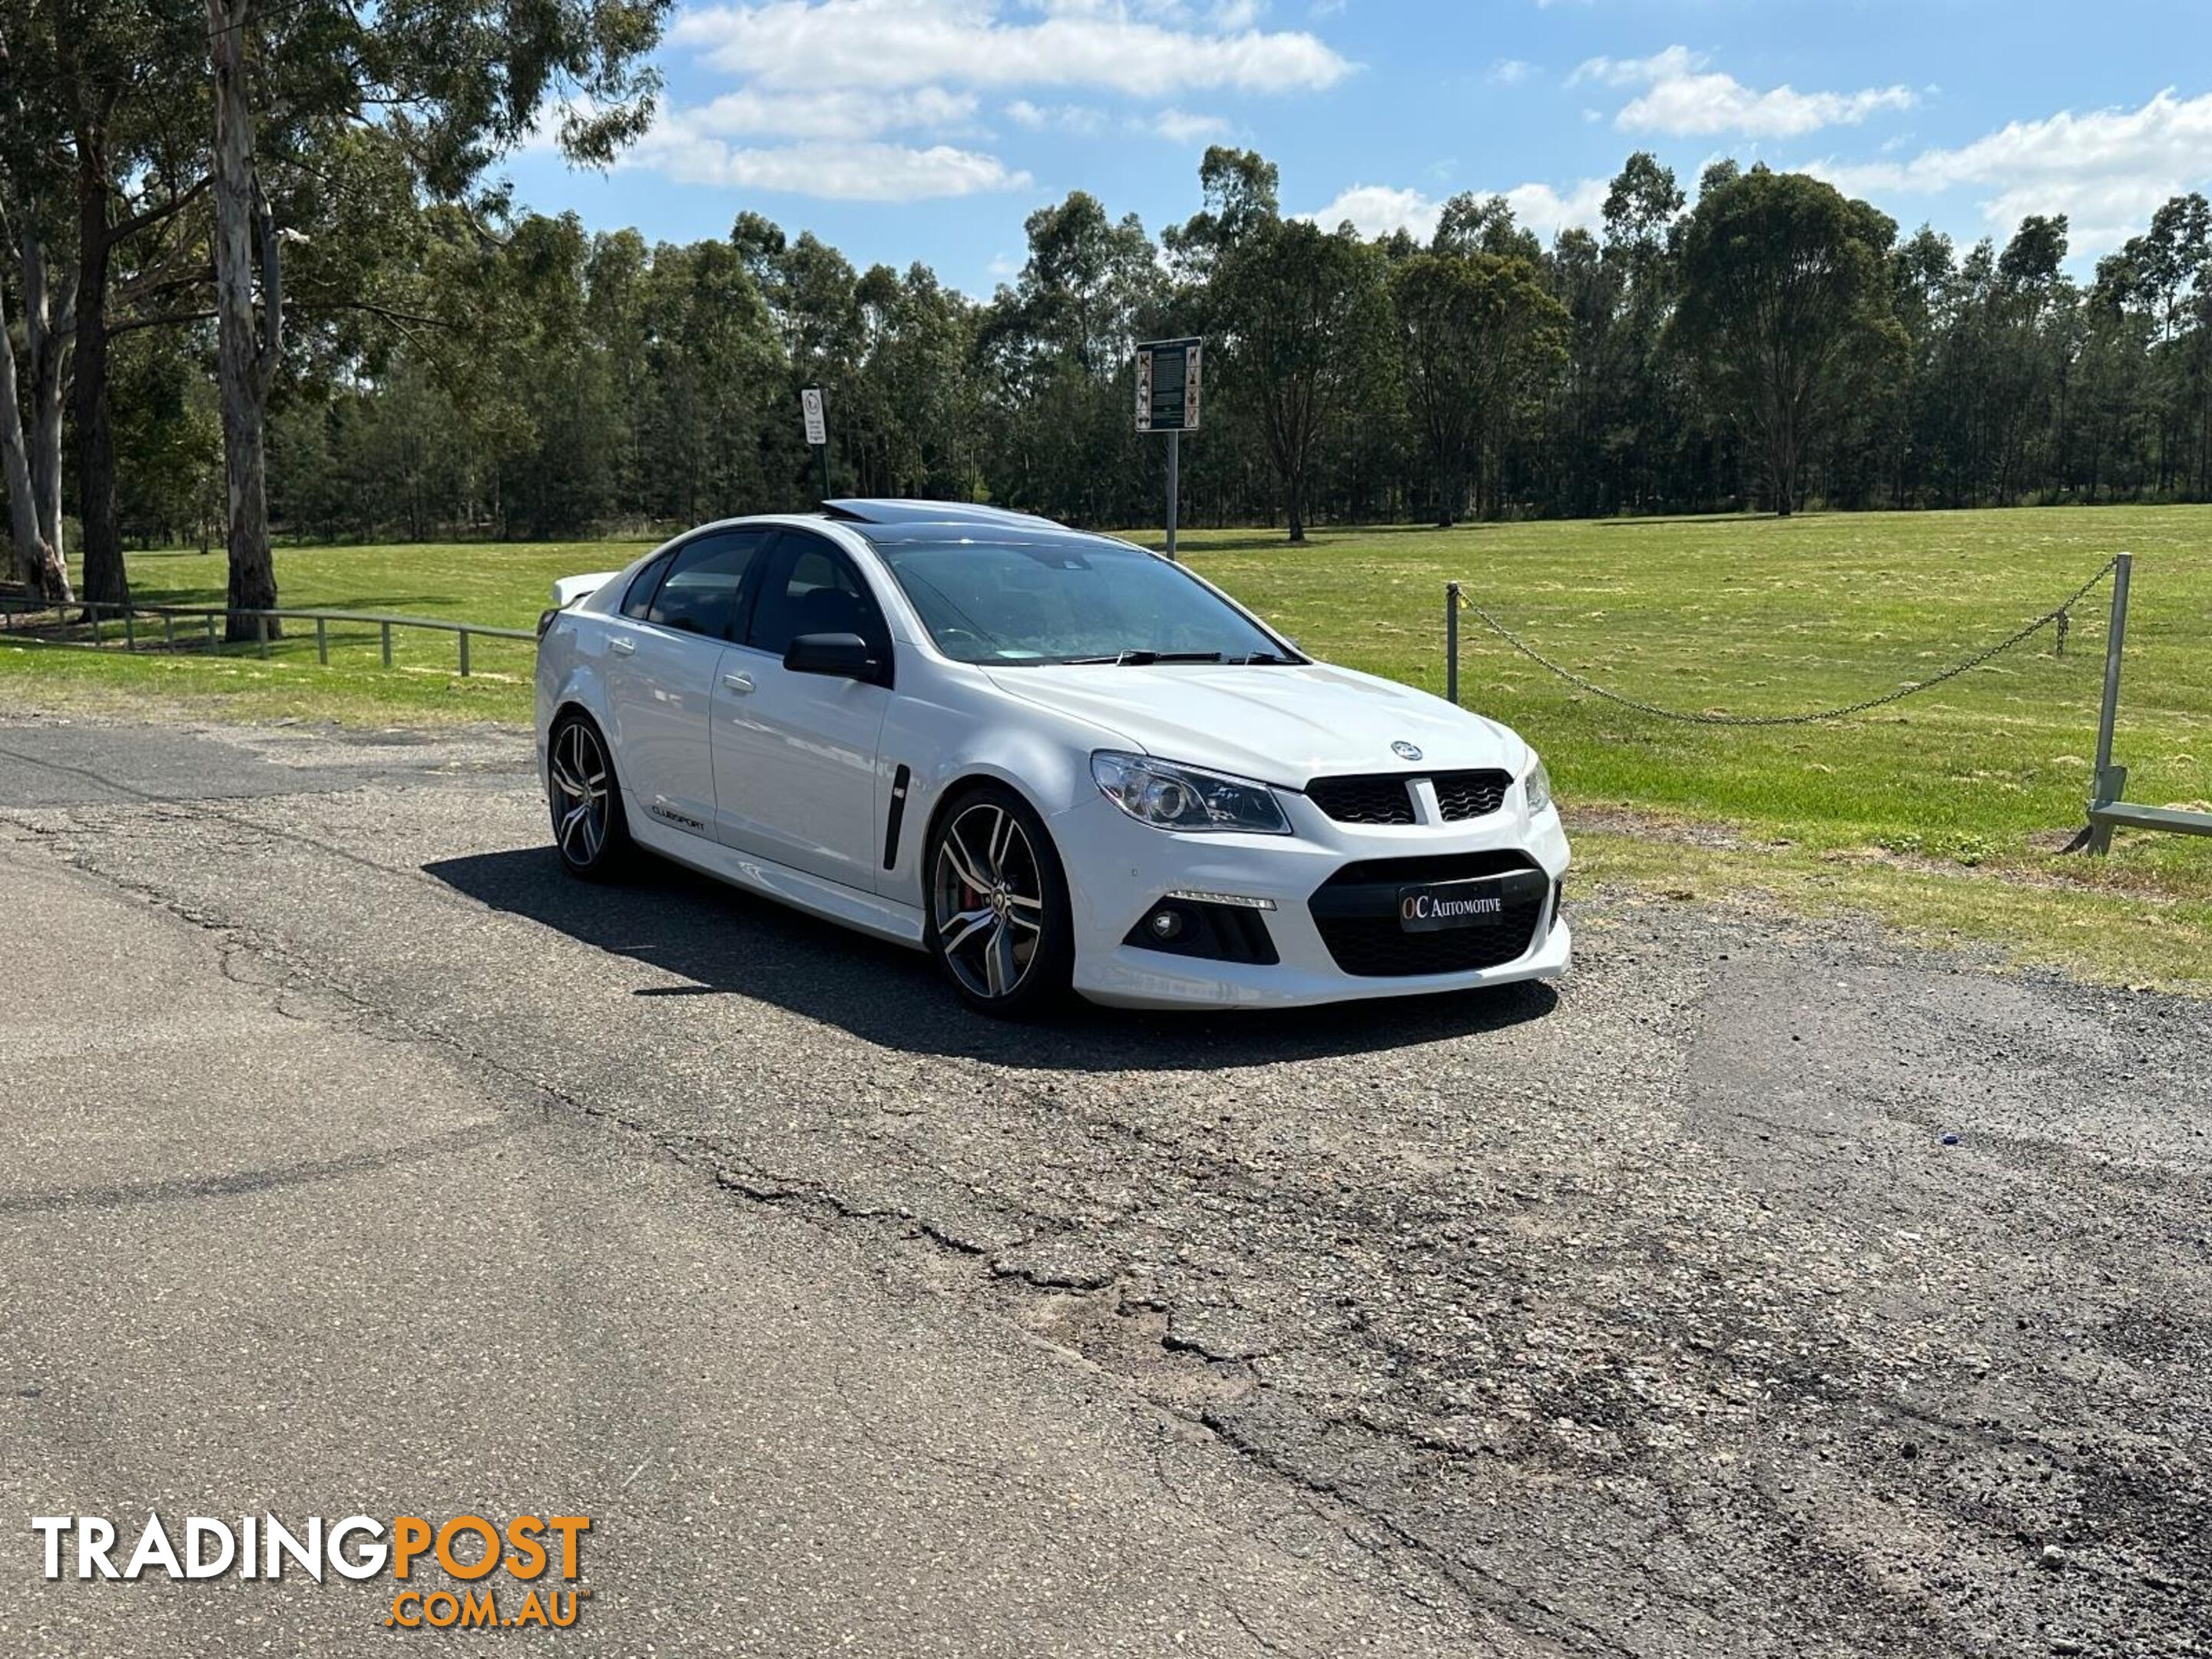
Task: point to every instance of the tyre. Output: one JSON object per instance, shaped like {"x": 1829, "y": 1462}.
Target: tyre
{"x": 999, "y": 925}
{"x": 589, "y": 829}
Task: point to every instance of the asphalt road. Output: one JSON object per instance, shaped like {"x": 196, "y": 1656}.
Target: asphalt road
{"x": 1765, "y": 1290}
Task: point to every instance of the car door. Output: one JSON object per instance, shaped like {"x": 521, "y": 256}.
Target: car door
{"x": 662, "y": 655}
{"x": 795, "y": 754}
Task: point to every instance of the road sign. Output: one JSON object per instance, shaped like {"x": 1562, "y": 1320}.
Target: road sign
{"x": 1168, "y": 385}
{"x": 817, "y": 424}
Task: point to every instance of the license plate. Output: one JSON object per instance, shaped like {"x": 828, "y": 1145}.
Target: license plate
{"x": 1434, "y": 907}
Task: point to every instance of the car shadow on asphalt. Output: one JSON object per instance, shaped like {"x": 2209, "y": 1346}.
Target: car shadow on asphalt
{"x": 725, "y": 942}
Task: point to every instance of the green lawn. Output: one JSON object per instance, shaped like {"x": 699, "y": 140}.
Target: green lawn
{"x": 1940, "y": 812}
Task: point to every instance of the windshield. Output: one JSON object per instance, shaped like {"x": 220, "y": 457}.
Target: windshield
{"x": 1030, "y": 603}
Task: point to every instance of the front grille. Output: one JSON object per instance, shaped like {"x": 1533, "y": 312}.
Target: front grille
{"x": 1387, "y": 797}
{"x": 1471, "y": 794}
{"x": 1356, "y": 911}
{"x": 1383, "y": 798}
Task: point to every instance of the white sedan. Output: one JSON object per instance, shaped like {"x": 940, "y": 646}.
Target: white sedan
{"x": 1050, "y": 759}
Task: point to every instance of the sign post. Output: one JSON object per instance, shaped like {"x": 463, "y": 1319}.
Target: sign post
{"x": 1169, "y": 381}
{"x": 812, "y": 407}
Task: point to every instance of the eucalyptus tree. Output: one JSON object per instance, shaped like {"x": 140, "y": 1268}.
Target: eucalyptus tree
{"x": 714, "y": 390}
{"x": 453, "y": 83}
{"x": 1475, "y": 331}
{"x": 31, "y": 173}
{"x": 101, "y": 144}
{"x": 1054, "y": 348}
{"x": 1652, "y": 414}
{"x": 1306, "y": 316}
{"x": 1781, "y": 299}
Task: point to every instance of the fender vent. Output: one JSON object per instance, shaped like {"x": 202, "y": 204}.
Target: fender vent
{"x": 900, "y": 780}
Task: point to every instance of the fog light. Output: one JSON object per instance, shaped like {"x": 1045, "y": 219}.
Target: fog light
{"x": 1165, "y": 924}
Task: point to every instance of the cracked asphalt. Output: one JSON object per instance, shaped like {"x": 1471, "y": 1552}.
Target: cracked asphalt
{"x": 1765, "y": 1289}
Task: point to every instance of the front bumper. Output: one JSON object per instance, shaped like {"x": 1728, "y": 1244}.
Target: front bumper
{"x": 1119, "y": 869}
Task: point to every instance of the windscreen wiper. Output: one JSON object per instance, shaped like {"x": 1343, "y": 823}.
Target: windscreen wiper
{"x": 1264, "y": 659}
{"x": 1145, "y": 659}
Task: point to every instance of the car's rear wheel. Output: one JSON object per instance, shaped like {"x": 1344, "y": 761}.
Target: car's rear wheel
{"x": 998, "y": 918}
{"x": 588, "y": 826}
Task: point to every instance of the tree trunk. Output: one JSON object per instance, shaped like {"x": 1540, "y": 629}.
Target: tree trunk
{"x": 38, "y": 563}
{"x": 49, "y": 322}
{"x": 105, "y": 581}
{"x": 30, "y": 436}
{"x": 246, "y": 344}
{"x": 1782, "y": 464}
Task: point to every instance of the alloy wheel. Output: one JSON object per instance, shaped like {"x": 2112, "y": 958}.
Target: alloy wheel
{"x": 580, "y": 783}
{"x": 988, "y": 901}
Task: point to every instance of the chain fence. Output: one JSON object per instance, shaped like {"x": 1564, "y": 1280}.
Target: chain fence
{"x": 2057, "y": 618}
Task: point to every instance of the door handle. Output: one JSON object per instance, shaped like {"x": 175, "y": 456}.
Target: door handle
{"x": 740, "y": 683}
{"x": 621, "y": 647}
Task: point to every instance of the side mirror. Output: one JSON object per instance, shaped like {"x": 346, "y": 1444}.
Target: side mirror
{"x": 844, "y": 655}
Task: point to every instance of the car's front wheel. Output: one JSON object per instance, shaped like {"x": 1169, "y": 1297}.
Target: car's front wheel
{"x": 588, "y": 825}
{"x": 998, "y": 918}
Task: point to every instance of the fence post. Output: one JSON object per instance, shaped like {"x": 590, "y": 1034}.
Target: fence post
{"x": 2110, "y": 782}
{"x": 464, "y": 653}
{"x": 212, "y": 647}
{"x": 168, "y": 630}
{"x": 387, "y": 645}
{"x": 261, "y": 631}
{"x": 129, "y": 629}
{"x": 1451, "y": 642}
{"x": 91, "y": 611}
{"x": 322, "y": 642}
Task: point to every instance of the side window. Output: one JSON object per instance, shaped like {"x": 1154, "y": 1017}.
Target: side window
{"x": 813, "y": 589}
{"x": 638, "y": 599}
{"x": 703, "y": 586}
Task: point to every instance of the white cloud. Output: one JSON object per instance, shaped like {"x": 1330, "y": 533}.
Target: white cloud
{"x": 834, "y": 112}
{"x": 808, "y": 44}
{"x": 1062, "y": 118}
{"x": 864, "y": 100}
{"x": 2106, "y": 170}
{"x": 858, "y": 171}
{"x": 1379, "y": 209}
{"x": 1683, "y": 99}
{"x": 1179, "y": 126}
{"x": 1547, "y": 211}
{"x": 1511, "y": 71}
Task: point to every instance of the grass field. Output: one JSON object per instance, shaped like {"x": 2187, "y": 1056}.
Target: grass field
{"x": 1942, "y": 811}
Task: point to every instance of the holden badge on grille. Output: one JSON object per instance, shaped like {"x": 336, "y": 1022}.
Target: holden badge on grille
{"x": 1406, "y": 752}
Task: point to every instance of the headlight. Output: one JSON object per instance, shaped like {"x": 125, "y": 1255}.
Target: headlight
{"x": 1171, "y": 797}
{"x": 1538, "y": 782}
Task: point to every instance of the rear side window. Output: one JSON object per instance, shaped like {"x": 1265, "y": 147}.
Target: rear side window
{"x": 705, "y": 584}
{"x": 812, "y": 589}
{"x": 638, "y": 599}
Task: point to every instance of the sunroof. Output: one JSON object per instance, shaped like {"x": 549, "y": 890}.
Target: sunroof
{"x": 886, "y": 510}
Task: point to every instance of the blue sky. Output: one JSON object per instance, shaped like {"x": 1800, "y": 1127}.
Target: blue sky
{"x": 904, "y": 130}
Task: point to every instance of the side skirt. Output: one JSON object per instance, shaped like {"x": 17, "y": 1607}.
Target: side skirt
{"x": 832, "y": 901}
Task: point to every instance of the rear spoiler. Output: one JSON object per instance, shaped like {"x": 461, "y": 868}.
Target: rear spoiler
{"x": 566, "y": 590}
{"x": 572, "y": 589}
